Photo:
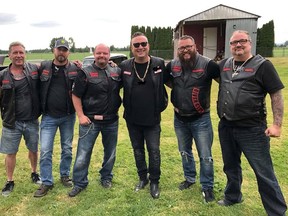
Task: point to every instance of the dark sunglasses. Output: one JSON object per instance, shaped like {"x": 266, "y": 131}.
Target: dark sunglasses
{"x": 137, "y": 45}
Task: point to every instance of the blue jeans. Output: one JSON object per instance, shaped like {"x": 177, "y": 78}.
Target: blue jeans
{"x": 11, "y": 138}
{"x": 199, "y": 130}
{"x": 255, "y": 145}
{"x": 151, "y": 136}
{"x": 87, "y": 137}
{"x": 48, "y": 129}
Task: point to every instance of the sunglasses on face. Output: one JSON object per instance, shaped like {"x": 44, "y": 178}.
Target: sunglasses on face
{"x": 137, "y": 45}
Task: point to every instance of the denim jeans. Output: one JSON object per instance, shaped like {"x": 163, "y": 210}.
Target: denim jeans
{"x": 48, "y": 129}
{"x": 199, "y": 130}
{"x": 87, "y": 137}
{"x": 11, "y": 138}
{"x": 151, "y": 135}
{"x": 255, "y": 145}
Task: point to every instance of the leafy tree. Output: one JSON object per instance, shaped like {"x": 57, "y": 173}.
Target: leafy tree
{"x": 71, "y": 44}
{"x": 266, "y": 39}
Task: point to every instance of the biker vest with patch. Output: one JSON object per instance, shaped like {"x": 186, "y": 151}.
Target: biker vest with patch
{"x": 156, "y": 70}
{"x": 190, "y": 93}
{"x": 240, "y": 96}
{"x": 107, "y": 86}
{"x": 45, "y": 70}
{"x": 7, "y": 92}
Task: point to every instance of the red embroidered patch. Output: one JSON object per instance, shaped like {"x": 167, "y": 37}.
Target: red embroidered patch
{"x": 176, "y": 68}
{"x": 198, "y": 70}
{"x": 249, "y": 70}
{"x": 5, "y": 81}
{"x": 72, "y": 72}
{"x": 94, "y": 74}
{"x": 45, "y": 72}
{"x": 114, "y": 74}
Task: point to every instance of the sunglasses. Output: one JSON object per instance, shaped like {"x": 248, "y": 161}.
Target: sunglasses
{"x": 137, "y": 45}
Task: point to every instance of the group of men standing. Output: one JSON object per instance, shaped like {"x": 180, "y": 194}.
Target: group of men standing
{"x": 58, "y": 88}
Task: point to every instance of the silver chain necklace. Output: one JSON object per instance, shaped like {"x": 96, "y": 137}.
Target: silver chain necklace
{"x": 142, "y": 79}
{"x": 237, "y": 68}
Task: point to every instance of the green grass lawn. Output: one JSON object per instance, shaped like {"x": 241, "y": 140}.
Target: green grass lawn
{"x": 122, "y": 200}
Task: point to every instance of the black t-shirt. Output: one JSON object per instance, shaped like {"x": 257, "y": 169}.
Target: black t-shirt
{"x": 143, "y": 99}
{"x": 57, "y": 94}
{"x": 23, "y": 100}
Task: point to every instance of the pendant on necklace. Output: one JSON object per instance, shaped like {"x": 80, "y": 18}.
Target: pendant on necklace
{"x": 141, "y": 82}
{"x": 235, "y": 73}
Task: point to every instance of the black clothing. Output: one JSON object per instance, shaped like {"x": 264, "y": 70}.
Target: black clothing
{"x": 191, "y": 87}
{"x": 8, "y": 95}
{"x": 155, "y": 78}
{"x": 23, "y": 103}
{"x": 48, "y": 94}
{"x": 57, "y": 95}
{"x": 144, "y": 98}
{"x": 99, "y": 92}
{"x": 245, "y": 104}
{"x": 143, "y": 105}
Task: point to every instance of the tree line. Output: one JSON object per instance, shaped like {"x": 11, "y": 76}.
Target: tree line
{"x": 161, "y": 41}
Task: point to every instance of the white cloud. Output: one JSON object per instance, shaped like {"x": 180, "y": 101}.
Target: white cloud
{"x": 35, "y": 23}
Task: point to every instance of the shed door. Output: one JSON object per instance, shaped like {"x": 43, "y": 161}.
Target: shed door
{"x": 210, "y": 42}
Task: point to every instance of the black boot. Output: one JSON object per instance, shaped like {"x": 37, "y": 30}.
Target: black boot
{"x": 154, "y": 190}
{"x": 141, "y": 184}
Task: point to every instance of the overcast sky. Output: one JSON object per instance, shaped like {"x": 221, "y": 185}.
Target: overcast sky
{"x": 35, "y": 23}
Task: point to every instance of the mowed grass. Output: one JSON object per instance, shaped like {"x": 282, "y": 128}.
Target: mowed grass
{"x": 122, "y": 200}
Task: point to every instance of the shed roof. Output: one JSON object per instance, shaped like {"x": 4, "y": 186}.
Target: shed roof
{"x": 219, "y": 12}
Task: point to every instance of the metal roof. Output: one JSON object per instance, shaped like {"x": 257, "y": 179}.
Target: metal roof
{"x": 220, "y": 12}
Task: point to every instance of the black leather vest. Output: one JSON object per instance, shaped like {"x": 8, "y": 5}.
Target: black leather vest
{"x": 102, "y": 95}
{"x": 190, "y": 93}
{"x": 7, "y": 94}
{"x": 156, "y": 68}
{"x": 45, "y": 72}
{"x": 240, "y": 96}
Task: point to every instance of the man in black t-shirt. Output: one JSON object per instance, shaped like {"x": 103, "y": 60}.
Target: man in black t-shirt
{"x": 57, "y": 77}
{"x": 96, "y": 100}
{"x": 144, "y": 98}
{"x": 190, "y": 77}
{"x": 20, "y": 109}
{"x": 245, "y": 81}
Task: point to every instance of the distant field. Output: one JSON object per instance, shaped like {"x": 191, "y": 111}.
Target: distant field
{"x": 277, "y": 52}
{"x": 47, "y": 56}
{"x": 280, "y": 51}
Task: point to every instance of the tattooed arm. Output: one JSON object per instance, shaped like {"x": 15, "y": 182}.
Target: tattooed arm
{"x": 277, "y": 103}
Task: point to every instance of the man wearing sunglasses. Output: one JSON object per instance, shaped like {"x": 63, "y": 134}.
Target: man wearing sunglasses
{"x": 144, "y": 99}
{"x": 245, "y": 82}
{"x": 190, "y": 77}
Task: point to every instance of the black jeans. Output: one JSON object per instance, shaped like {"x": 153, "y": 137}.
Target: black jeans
{"x": 255, "y": 145}
{"x": 139, "y": 135}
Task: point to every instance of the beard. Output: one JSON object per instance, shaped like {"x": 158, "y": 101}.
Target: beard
{"x": 61, "y": 58}
{"x": 188, "y": 62}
